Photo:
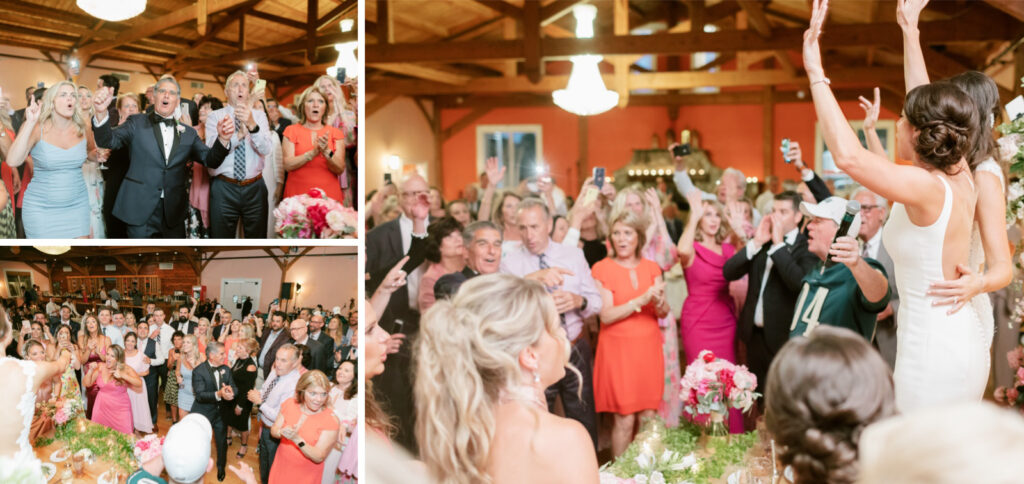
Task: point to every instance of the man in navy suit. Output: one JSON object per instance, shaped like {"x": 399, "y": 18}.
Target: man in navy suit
{"x": 153, "y": 196}
{"x": 215, "y": 395}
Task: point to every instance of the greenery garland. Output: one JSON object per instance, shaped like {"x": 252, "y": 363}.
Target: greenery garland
{"x": 105, "y": 443}
{"x": 683, "y": 440}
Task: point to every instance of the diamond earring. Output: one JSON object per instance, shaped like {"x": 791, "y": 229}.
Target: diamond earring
{"x": 536, "y": 377}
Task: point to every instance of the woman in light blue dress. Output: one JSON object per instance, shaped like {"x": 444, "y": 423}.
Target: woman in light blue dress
{"x": 56, "y": 203}
{"x": 190, "y": 358}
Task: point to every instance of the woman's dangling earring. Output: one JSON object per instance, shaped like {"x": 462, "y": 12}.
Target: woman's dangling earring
{"x": 536, "y": 377}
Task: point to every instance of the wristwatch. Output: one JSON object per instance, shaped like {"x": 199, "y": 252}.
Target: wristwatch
{"x": 302, "y": 443}
{"x": 583, "y": 305}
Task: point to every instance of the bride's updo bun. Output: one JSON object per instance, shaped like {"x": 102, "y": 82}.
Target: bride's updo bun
{"x": 822, "y": 391}
{"x": 946, "y": 119}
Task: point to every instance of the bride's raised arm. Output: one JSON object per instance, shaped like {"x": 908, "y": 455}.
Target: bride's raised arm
{"x": 905, "y": 184}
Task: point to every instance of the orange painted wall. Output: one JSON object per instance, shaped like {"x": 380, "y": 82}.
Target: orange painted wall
{"x": 732, "y": 135}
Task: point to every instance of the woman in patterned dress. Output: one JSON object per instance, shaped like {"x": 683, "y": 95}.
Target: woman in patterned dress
{"x": 171, "y": 387}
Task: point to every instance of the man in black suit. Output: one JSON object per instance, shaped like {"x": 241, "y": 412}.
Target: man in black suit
{"x": 386, "y": 245}
{"x": 320, "y": 353}
{"x": 114, "y": 84}
{"x": 273, "y": 338}
{"x": 153, "y": 196}
{"x": 776, "y": 260}
{"x": 215, "y": 394}
{"x": 483, "y": 256}
{"x": 316, "y": 327}
{"x": 277, "y": 122}
{"x": 185, "y": 322}
{"x": 64, "y": 319}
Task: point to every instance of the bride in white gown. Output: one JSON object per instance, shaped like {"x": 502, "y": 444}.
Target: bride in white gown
{"x": 939, "y": 356}
{"x": 20, "y": 380}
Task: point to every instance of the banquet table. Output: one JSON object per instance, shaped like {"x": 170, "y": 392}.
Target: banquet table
{"x": 91, "y": 471}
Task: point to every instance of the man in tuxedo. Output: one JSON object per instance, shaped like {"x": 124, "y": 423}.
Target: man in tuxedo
{"x": 386, "y": 245}
{"x": 273, "y": 338}
{"x": 148, "y": 347}
{"x": 776, "y": 260}
{"x": 153, "y": 196}
{"x": 873, "y": 211}
{"x": 215, "y": 394}
{"x": 316, "y": 327}
{"x": 63, "y": 319}
{"x": 237, "y": 190}
{"x": 320, "y": 354}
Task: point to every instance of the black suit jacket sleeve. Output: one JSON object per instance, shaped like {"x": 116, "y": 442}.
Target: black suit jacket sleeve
{"x": 212, "y": 157}
{"x": 203, "y": 386}
{"x": 818, "y": 188}
{"x": 737, "y": 266}
{"x": 792, "y": 264}
{"x": 115, "y": 137}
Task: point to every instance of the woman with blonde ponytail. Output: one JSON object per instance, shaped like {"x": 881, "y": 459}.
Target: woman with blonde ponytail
{"x": 483, "y": 360}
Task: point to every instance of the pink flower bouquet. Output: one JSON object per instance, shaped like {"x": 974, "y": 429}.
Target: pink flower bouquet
{"x": 712, "y": 385}
{"x": 1013, "y": 396}
{"x": 314, "y": 216}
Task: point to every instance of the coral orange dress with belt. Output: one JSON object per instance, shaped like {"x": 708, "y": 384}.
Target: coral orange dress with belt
{"x": 290, "y": 464}
{"x": 315, "y": 173}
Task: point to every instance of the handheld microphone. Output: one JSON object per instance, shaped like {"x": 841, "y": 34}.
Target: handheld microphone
{"x": 852, "y": 209}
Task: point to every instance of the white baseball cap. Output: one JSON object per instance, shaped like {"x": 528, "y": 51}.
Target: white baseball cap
{"x": 833, "y": 208}
{"x": 336, "y": 310}
{"x": 187, "y": 448}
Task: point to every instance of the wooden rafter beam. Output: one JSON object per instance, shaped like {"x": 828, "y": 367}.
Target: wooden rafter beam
{"x": 426, "y": 72}
{"x": 287, "y": 22}
{"x": 464, "y": 122}
{"x": 378, "y": 103}
{"x": 531, "y": 41}
{"x": 385, "y": 22}
{"x": 966, "y": 28}
{"x": 657, "y": 80}
{"x": 207, "y": 259}
{"x": 87, "y": 37}
{"x": 556, "y": 10}
{"x": 756, "y": 17}
{"x": 502, "y": 7}
{"x": 620, "y": 21}
{"x": 312, "y": 16}
{"x": 1011, "y": 7}
{"x": 55, "y": 63}
{"x": 38, "y": 269}
{"x": 335, "y": 14}
{"x": 155, "y": 26}
{"x": 266, "y": 52}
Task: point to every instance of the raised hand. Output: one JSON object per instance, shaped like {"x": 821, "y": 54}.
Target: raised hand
{"x": 102, "y": 98}
{"x": 243, "y": 113}
{"x": 812, "y": 50}
{"x": 225, "y": 130}
{"x": 908, "y": 13}
{"x": 653, "y": 201}
{"x": 495, "y": 171}
{"x": 778, "y": 236}
{"x": 764, "y": 231}
{"x": 796, "y": 154}
{"x": 871, "y": 109}
{"x": 395, "y": 278}
{"x": 696, "y": 200}
{"x": 32, "y": 111}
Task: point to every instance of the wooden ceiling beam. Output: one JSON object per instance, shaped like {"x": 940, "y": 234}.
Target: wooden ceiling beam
{"x": 425, "y": 72}
{"x": 965, "y": 28}
{"x": 620, "y": 25}
{"x": 556, "y": 10}
{"x": 336, "y": 13}
{"x": 312, "y": 16}
{"x": 756, "y": 17}
{"x": 155, "y": 26}
{"x": 502, "y": 7}
{"x": 377, "y": 103}
{"x": 532, "y": 65}
{"x": 266, "y": 52}
{"x": 287, "y": 22}
{"x": 657, "y": 80}
{"x": 464, "y": 122}
{"x": 58, "y": 65}
{"x": 232, "y": 17}
{"x": 1011, "y": 7}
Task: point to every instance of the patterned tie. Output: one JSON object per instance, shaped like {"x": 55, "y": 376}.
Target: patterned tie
{"x": 239, "y": 155}
{"x": 864, "y": 251}
{"x": 269, "y": 388}
{"x": 543, "y": 264}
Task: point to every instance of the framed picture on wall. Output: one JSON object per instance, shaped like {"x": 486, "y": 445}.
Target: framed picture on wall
{"x": 824, "y": 164}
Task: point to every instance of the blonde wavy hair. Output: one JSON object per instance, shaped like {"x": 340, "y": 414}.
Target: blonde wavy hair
{"x": 619, "y": 205}
{"x": 47, "y": 112}
{"x": 191, "y": 356}
{"x": 300, "y": 110}
{"x": 466, "y": 360}
{"x": 634, "y": 221}
{"x": 496, "y": 215}
{"x": 724, "y": 231}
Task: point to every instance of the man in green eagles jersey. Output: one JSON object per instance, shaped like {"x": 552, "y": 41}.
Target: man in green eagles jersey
{"x": 848, "y": 294}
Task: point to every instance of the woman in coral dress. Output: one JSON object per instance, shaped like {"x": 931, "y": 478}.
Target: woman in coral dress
{"x": 314, "y": 153}
{"x": 134, "y": 358}
{"x": 708, "y": 321}
{"x": 308, "y": 430}
{"x": 113, "y": 379}
{"x": 629, "y": 367}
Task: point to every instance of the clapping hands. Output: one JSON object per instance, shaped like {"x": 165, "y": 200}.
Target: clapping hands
{"x": 225, "y": 130}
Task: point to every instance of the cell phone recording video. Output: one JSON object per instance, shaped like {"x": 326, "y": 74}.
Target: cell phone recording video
{"x": 599, "y": 177}
{"x": 683, "y": 148}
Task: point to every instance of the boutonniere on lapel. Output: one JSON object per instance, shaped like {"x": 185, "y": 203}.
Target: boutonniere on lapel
{"x": 180, "y": 127}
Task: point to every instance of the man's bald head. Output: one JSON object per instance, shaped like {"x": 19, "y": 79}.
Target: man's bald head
{"x": 412, "y": 190}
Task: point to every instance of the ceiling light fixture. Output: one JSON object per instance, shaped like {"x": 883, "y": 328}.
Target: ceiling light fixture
{"x": 585, "y": 95}
{"x": 346, "y": 62}
{"x": 112, "y": 11}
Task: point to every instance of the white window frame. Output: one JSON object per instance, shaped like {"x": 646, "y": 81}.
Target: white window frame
{"x": 512, "y": 172}
{"x": 7, "y": 281}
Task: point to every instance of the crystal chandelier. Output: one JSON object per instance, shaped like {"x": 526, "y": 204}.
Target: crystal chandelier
{"x": 112, "y": 10}
{"x": 346, "y": 54}
{"x": 586, "y": 94}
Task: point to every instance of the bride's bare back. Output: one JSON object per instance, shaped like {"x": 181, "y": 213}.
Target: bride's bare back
{"x": 532, "y": 445}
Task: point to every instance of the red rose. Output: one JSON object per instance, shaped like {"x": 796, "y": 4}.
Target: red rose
{"x": 315, "y": 193}
{"x": 725, "y": 376}
{"x": 317, "y": 214}
{"x": 709, "y": 357}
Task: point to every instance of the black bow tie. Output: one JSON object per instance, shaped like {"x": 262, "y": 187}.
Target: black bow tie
{"x": 158, "y": 120}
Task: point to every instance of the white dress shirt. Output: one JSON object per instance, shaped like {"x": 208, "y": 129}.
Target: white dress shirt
{"x": 871, "y": 246}
{"x": 256, "y": 145}
{"x": 282, "y": 391}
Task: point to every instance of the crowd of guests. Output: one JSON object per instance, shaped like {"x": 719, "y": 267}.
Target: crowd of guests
{"x": 498, "y": 314}
{"x": 101, "y": 163}
{"x": 288, "y": 378}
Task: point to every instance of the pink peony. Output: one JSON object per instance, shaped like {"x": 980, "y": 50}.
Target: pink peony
{"x": 1014, "y": 357}
{"x": 1020, "y": 374}
{"x": 1011, "y": 395}
{"x": 999, "y": 394}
